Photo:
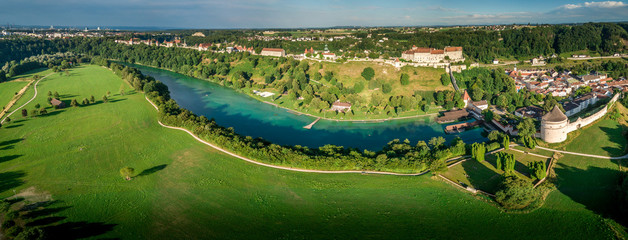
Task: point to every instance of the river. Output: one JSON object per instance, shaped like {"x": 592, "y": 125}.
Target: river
{"x": 251, "y": 117}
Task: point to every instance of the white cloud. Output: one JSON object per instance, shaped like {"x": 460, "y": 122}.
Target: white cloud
{"x": 605, "y": 4}
{"x": 571, "y": 6}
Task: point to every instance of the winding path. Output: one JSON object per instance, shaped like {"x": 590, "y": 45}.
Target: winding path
{"x": 33, "y": 98}
{"x": 274, "y": 166}
{"x": 584, "y": 154}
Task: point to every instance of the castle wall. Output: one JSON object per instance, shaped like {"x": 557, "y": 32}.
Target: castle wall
{"x": 557, "y": 132}
{"x": 581, "y": 122}
{"x": 457, "y": 55}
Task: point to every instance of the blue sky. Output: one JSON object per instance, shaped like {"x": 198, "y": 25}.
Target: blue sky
{"x": 300, "y": 13}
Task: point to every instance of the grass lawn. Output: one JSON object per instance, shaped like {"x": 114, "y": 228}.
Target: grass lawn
{"x": 8, "y": 91}
{"x": 479, "y": 175}
{"x": 603, "y": 138}
{"x": 484, "y": 175}
{"x": 186, "y": 190}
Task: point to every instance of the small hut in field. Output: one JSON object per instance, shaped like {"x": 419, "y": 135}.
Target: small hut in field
{"x": 56, "y": 103}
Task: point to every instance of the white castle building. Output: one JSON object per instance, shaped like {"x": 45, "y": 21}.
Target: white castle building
{"x": 555, "y": 125}
{"x": 431, "y": 55}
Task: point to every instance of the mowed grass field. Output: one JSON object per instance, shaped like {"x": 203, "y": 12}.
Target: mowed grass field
{"x": 30, "y": 91}
{"x": 186, "y": 190}
{"x": 8, "y": 91}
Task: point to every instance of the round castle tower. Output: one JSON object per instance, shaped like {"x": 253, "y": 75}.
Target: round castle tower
{"x": 554, "y": 126}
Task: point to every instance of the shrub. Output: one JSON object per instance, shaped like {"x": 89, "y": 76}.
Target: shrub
{"x": 368, "y": 73}
{"x": 538, "y": 170}
{"x": 515, "y": 193}
{"x": 405, "y": 79}
{"x": 492, "y": 146}
{"x": 386, "y": 88}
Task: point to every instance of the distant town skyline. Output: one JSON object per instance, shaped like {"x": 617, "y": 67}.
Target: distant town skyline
{"x": 303, "y": 14}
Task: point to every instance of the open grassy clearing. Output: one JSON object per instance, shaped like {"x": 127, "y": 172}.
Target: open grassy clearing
{"x": 186, "y": 190}
{"x": 29, "y": 92}
{"x": 426, "y": 78}
{"x": 605, "y": 138}
{"x": 8, "y": 91}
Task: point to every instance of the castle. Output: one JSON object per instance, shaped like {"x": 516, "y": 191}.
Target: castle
{"x": 555, "y": 125}
{"x": 431, "y": 55}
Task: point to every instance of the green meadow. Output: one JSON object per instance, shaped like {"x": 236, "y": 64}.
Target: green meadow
{"x": 8, "y": 90}
{"x": 70, "y": 159}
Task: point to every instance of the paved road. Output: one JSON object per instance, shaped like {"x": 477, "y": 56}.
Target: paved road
{"x": 33, "y": 98}
{"x": 453, "y": 79}
{"x": 589, "y": 58}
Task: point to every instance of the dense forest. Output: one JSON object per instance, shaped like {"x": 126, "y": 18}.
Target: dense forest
{"x": 479, "y": 45}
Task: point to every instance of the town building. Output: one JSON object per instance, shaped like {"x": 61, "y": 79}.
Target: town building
{"x": 274, "y": 52}
{"x": 452, "y": 116}
{"x": 340, "y": 106}
{"x": 329, "y": 56}
{"x": 478, "y": 106}
{"x": 204, "y": 46}
{"x": 198, "y": 34}
{"x": 530, "y": 112}
{"x": 592, "y": 78}
{"x": 580, "y": 103}
{"x": 431, "y": 55}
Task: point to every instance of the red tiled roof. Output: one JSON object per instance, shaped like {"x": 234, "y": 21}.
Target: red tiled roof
{"x": 465, "y": 96}
{"x": 437, "y": 51}
{"x": 453, "y": 49}
{"x": 418, "y": 50}
{"x": 342, "y": 104}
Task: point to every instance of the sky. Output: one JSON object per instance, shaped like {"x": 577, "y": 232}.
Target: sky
{"x": 303, "y": 13}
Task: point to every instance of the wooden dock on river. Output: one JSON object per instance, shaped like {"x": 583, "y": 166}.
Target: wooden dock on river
{"x": 309, "y": 126}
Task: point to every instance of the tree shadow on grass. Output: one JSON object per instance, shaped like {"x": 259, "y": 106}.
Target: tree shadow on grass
{"x": 78, "y": 230}
{"x": 522, "y": 168}
{"x": 9, "y": 142}
{"x": 9, "y": 180}
{"x": 13, "y": 126}
{"x": 67, "y": 96}
{"x": 116, "y": 100}
{"x": 42, "y": 214}
{"x": 19, "y": 121}
{"x": 480, "y": 176}
{"x": 615, "y": 135}
{"x": 52, "y": 113}
{"x": 8, "y": 158}
{"x": 7, "y": 147}
{"x": 593, "y": 187}
{"x": 152, "y": 170}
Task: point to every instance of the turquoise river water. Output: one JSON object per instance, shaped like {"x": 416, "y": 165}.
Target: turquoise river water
{"x": 251, "y": 117}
